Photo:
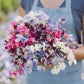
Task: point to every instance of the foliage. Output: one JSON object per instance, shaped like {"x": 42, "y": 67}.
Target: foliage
{"x": 8, "y": 5}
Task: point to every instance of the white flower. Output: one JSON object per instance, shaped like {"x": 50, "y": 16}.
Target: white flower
{"x": 63, "y": 66}
{"x": 75, "y": 62}
{"x": 29, "y": 63}
{"x": 31, "y": 48}
{"x": 37, "y": 47}
{"x": 38, "y": 68}
{"x": 44, "y": 46}
{"x": 70, "y": 36}
{"x": 32, "y": 15}
{"x": 22, "y": 24}
{"x": 35, "y": 60}
{"x": 70, "y": 62}
{"x": 55, "y": 70}
{"x": 24, "y": 49}
{"x": 43, "y": 15}
{"x": 54, "y": 45}
{"x": 17, "y": 40}
{"x": 58, "y": 68}
{"x": 18, "y": 19}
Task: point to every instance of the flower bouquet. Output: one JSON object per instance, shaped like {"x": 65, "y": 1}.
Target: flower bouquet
{"x": 36, "y": 42}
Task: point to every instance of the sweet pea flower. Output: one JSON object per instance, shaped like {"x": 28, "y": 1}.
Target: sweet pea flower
{"x": 17, "y": 44}
{"x": 31, "y": 48}
{"x": 23, "y": 65}
{"x": 18, "y": 19}
{"x": 65, "y": 35}
{"x": 55, "y": 70}
{"x": 22, "y": 29}
{"x": 48, "y": 28}
{"x": 14, "y": 24}
{"x": 58, "y": 34}
{"x": 9, "y": 46}
{"x": 31, "y": 40}
{"x": 10, "y": 30}
{"x": 12, "y": 73}
{"x": 21, "y": 72}
{"x": 23, "y": 44}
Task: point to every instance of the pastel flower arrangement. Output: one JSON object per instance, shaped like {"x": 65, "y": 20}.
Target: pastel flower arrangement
{"x": 35, "y": 42}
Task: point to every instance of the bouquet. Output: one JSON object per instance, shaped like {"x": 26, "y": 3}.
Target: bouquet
{"x": 34, "y": 41}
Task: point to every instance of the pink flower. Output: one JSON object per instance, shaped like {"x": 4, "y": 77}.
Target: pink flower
{"x": 23, "y": 44}
{"x": 58, "y": 34}
{"x": 14, "y": 24}
{"x": 48, "y": 28}
{"x": 12, "y": 73}
{"x": 10, "y": 30}
{"x": 47, "y": 38}
{"x": 12, "y": 40}
{"x": 21, "y": 72}
{"x": 65, "y": 35}
{"x": 22, "y": 29}
{"x": 22, "y": 65}
{"x": 18, "y": 44}
{"x": 17, "y": 70}
{"x": 9, "y": 46}
{"x": 70, "y": 47}
{"x": 60, "y": 40}
{"x": 30, "y": 40}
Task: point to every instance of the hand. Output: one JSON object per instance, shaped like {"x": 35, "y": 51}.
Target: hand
{"x": 76, "y": 45}
{"x": 79, "y": 53}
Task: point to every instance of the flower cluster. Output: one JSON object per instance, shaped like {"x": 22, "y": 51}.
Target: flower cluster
{"x": 36, "y": 42}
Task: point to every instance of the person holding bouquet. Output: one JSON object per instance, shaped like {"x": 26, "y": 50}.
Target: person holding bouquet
{"x": 72, "y": 11}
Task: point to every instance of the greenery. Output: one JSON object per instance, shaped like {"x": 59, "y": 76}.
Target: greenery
{"x": 6, "y": 6}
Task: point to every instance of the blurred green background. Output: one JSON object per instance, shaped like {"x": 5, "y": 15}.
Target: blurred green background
{"x": 7, "y": 6}
{"x": 8, "y": 10}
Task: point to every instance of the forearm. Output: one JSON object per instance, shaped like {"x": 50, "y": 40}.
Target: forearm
{"x": 22, "y": 12}
{"x": 79, "y": 53}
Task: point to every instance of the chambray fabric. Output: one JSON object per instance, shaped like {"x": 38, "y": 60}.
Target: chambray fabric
{"x": 72, "y": 74}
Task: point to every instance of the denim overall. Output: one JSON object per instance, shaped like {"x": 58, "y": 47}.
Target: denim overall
{"x": 72, "y": 74}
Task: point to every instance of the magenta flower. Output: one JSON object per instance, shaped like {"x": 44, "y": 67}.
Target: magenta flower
{"x": 10, "y": 30}
{"x": 48, "y": 28}
{"x": 22, "y": 29}
{"x": 12, "y": 73}
{"x": 14, "y": 24}
{"x": 23, "y": 44}
{"x": 65, "y": 35}
{"x": 18, "y": 44}
{"x": 21, "y": 72}
{"x": 23, "y": 65}
{"x": 9, "y": 46}
{"x": 57, "y": 34}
